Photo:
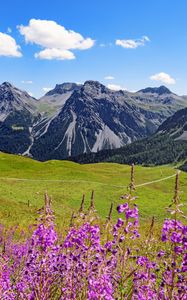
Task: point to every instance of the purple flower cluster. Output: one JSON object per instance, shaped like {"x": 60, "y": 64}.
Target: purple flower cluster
{"x": 131, "y": 222}
{"x": 175, "y": 232}
{"x": 174, "y": 235}
{"x": 94, "y": 262}
{"x": 144, "y": 281}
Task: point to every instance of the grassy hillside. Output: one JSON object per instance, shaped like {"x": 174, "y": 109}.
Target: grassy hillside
{"x": 70, "y": 180}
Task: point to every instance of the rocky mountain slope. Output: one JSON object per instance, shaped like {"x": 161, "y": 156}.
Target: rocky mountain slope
{"x": 167, "y": 145}
{"x": 18, "y": 116}
{"x": 73, "y": 119}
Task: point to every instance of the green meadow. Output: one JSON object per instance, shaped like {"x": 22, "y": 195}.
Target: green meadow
{"x": 24, "y": 181}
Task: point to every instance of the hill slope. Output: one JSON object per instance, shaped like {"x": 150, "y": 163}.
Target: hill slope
{"x": 67, "y": 181}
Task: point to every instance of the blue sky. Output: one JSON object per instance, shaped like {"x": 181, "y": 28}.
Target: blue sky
{"x": 139, "y": 43}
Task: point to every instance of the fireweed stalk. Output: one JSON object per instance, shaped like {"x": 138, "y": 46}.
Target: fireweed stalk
{"x": 174, "y": 234}
{"x": 96, "y": 261}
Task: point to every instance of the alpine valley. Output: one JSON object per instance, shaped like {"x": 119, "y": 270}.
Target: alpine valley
{"x": 73, "y": 120}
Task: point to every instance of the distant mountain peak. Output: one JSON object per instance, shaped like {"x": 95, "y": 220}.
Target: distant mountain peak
{"x": 161, "y": 90}
{"x": 93, "y": 83}
{"x": 7, "y": 89}
{"x": 94, "y": 87}
{"x": 64, "y": 88}
{"x": 7, "y": 84}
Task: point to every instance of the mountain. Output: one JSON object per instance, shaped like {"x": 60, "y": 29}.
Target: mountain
{"x": 73, "y": 119}
{"x": 160, "y": 97}
{"x": 162, "y": 90}
{"x": 13, "y": 99}
{"x": 18, "y": 114}
{"x": 95, "y": 117}
{"x": 57, "y": 97}
{"x": 167, "y": 145}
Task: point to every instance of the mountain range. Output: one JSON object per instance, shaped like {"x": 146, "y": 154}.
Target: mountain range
{"x": 74, "y": 119}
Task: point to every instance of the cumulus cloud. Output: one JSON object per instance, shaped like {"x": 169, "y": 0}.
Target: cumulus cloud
{"x": 8, "y": 46}
{"x": 46, "y": 89}
{"x": 115, "y": 87}
{"x": 27, "y": 81}
{"x": 132, "y": 44}
{"x": 163, "y": 77}
{"x": 54, "y": 38}
{"x": 55, "y": 54}
{"x": 109, "y": 77}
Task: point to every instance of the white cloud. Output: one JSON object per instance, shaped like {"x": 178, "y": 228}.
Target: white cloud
{"x": 27, "y": 81}
{"x": 46, "y": 89}
{"x": 8, "y": 46}
{"x": 115, "y": 87}
{"x": 109, "y": 77}
{"x": 132, "y": 44}
{"x": 102, "y": 45}
{"x": 9, "y": 30}
{"x": 55, "y": 54}
{"x": 54, "y": 38}
{"x": 163, "y": 77}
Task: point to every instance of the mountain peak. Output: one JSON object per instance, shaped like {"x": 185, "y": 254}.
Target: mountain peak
{"x": 93, "y": 82}
{"x": 7, "y": 88}
{"x": 7, "y": 84}
{"x": 64, "y": 88}
{"x": 94, "y": 87}
{"x": 156, "y": 90}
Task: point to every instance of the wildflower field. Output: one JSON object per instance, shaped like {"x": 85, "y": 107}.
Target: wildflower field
{"x": 90, "y": 251}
